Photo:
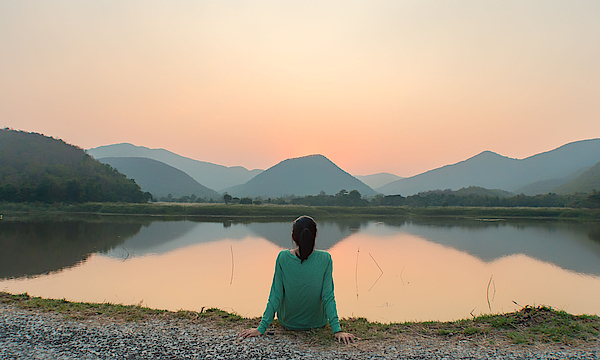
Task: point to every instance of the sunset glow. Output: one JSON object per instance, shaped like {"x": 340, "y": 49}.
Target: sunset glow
{"x": 379, "y": 86}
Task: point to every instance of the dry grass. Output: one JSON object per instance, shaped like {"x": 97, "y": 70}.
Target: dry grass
{"x": 528, "y": 326}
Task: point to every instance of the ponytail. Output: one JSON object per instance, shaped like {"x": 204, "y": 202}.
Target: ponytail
{"x": 306, "y": 244}
{"x": 304, "y": 232}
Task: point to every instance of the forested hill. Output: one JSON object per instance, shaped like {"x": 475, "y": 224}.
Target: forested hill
{"x": 584, "y": 183}
{"x": 34, "y": 167}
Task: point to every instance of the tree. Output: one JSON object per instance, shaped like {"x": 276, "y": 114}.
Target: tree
{"x": 227, "y": 198}
{"x": 595, "y": 196}
{"x": 246, "y": 201}
{"x": 342, "y": 192}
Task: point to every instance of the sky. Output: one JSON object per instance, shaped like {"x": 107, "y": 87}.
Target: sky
{"x": 376, "y": 86}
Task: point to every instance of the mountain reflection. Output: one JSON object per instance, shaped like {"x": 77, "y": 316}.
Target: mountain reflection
{"x": 42, "y": 246}
{"x": 568, "y": 245}
{"x": 571, "y": 246}
{"x": 164, "y": 236}
{"x": 329, "y": 233}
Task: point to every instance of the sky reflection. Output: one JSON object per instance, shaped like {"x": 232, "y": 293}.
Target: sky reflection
{"x": 385, "y": 272}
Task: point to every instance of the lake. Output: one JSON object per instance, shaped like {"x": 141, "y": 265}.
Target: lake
{"x": 388, "y": 271}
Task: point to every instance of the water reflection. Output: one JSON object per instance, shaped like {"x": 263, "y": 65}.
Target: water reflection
{"x": 387, "y": 271}
{"x": 165, "y": 236}
{"x": 570, "y": 246}
{"x": 40, "y": 246}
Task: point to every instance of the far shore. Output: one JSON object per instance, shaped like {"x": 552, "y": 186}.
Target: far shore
{"x": 218, "y": 210}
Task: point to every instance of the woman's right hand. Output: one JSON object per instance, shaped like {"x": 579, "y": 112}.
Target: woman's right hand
{"x": 249, "y": 333}
{"x": 344, "y": 337}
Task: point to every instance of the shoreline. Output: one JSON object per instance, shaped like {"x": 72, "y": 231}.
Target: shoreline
{"x": 526, "y": 333}
{"x": 218, "y": 211}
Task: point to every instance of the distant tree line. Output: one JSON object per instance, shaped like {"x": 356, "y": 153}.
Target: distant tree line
{"x": 449, "y": 199}
{"x": 342, "y": 198}
{"x": 245, "y": 200}
{"x": 432, "y": 198}
{"x": 183, "y": 199}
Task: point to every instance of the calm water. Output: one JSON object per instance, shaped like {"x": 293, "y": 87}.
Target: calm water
{"x": 386, "y": 271}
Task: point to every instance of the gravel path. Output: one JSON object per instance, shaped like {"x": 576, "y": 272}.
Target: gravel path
{"x": 40, "y": 335}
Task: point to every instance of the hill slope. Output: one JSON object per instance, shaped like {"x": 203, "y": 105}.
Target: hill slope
{"x": 493, "y": 171}
{"x": 301, "y": 176}
{"x": 586, "y": 182}
{"x": 34, "y": 167}
{"x": 378, "y": 180}
{"x": 210, "y": 175}
{"x": 159, "y": 178}
{"x": 548, "y": 186}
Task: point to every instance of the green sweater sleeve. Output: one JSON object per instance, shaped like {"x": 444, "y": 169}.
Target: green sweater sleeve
{"x": 328, "y": 298}
{"x": 275, "y": 297}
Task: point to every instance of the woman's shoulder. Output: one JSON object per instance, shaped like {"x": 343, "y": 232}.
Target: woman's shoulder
{"x": 321, "y": 254}
{"x": 282, "y": 253}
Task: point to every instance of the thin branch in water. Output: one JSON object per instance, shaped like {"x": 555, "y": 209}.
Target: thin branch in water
{"x": 488, "y": 293}
{"x": 356, "y": 272}
{"x": 231, "y": 281}
{"x": 126, "y": 257}
{"x": 376, "y": 263}
{"x": 494, "y": 284}
{"x": 401, "y": 271}
{"x": 380, "y": 275}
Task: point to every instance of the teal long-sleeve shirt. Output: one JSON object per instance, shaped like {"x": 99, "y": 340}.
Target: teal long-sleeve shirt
{"x": 302, "y": 293}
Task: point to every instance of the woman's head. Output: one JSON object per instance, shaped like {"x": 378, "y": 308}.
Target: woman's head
{"x": 304, "y": 232}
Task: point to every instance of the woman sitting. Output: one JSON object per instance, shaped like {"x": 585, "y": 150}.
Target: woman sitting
{"x": 302, "y": 290}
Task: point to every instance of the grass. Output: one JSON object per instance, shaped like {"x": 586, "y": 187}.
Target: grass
{"x": 292, "y": 211}
{"x": 84, "y": 310}
{"x": 529, "y": 326}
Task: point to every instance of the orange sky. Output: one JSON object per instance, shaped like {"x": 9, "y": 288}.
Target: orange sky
{"x": 376, "y": 86}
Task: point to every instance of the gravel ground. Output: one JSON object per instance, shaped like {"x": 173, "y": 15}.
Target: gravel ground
{"x": 41, "y": 335}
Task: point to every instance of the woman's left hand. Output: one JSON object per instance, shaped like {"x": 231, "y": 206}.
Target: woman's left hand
{"x": 344, "y": 337}
{"x": 249, "y": 333}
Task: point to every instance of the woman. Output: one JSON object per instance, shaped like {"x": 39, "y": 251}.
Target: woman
{"x": 302, "y": 290}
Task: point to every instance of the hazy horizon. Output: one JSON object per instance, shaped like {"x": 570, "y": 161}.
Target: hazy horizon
{"x": 381, "y": 172}
{"x": 384, "y": 86}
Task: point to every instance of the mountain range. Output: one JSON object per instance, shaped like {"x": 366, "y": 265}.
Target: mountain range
{"x": 213, "y": 176}
{"x": 159, "y": 178}
{"x": 542, "y": 173}
{"x": 493, "y": 171}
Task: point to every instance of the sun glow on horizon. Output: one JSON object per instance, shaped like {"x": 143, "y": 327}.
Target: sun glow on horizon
{"x": 386, "y": 86}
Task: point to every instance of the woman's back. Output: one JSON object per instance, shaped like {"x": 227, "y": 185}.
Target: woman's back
{"x": 305, "y": 290}
{"x": 302, "y": 289}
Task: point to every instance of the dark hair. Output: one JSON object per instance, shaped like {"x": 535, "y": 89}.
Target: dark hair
{"x": 304, "y": 232}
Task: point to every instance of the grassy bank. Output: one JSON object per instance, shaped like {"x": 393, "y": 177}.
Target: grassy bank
{"x": 530, "y": 325}
{"x": 291, "y": 211}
